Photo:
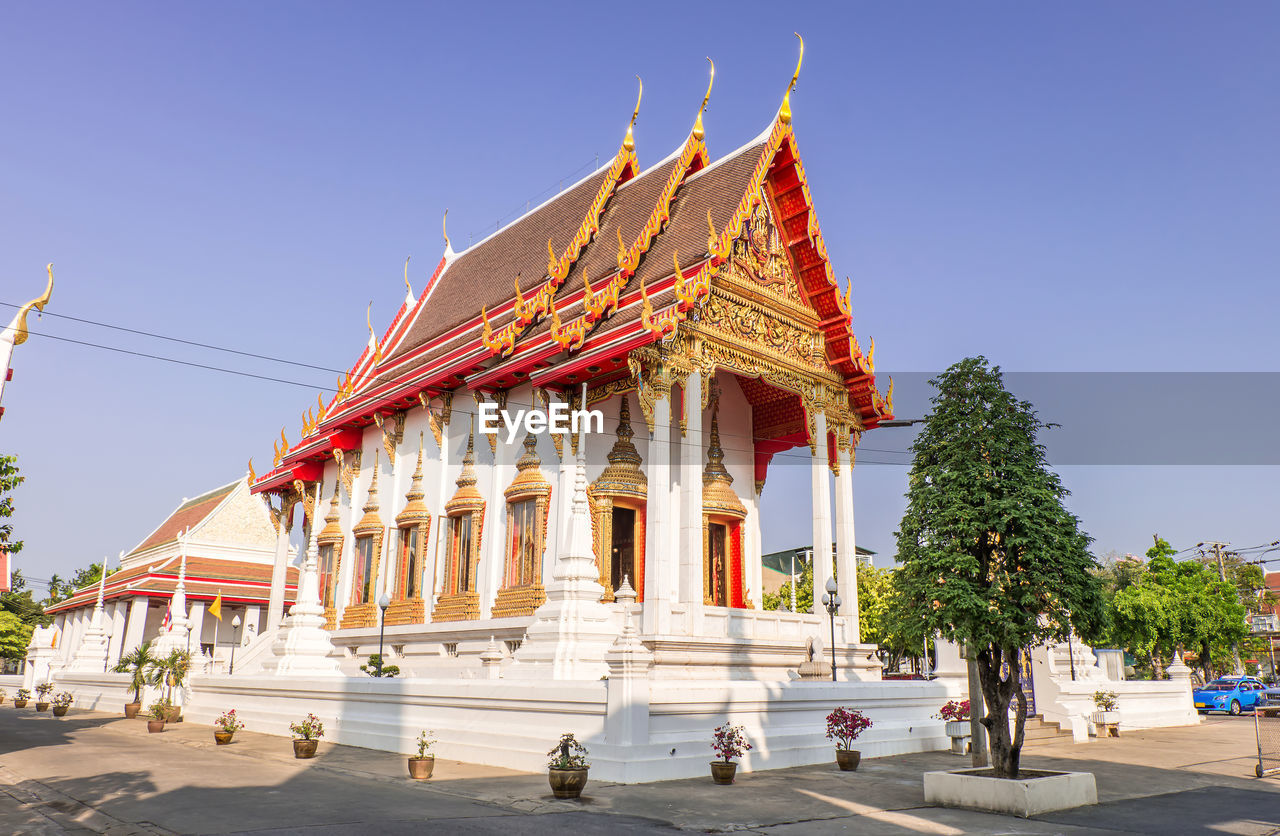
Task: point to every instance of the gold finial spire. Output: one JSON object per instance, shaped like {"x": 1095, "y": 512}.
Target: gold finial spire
{"x": 444, "y": 230}
{"x": 785, "y": 112}
{"x": 415, "y": 488}
{"x": 408, "y": 287}
{"x": 332, "y": 516}
{"x": 20, "y": 321}
{"x": 371, "y": 503}
{"x": 715, "y": 470}
{"x": 253, "y": 476}
{"x": 551, "y": 259}
{"x": 374, "y": 350}
{"x": 629, "y": 142}
{"x": 698, "y": 132}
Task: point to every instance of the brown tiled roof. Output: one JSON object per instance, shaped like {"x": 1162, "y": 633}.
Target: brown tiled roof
{"x": 188, "y": 515}
{"x": 206, "y": 576}
{"x": 484, "y": 275}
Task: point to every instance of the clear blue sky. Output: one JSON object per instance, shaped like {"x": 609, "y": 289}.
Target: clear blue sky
{"x": 1061, "y": 187}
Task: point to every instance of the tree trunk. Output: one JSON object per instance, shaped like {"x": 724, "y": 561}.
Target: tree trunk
{"x": 1206, "y": 661}
{"x": 998, "y": 692}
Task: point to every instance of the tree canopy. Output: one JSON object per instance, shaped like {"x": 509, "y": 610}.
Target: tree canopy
{"x": 990, "y": 557}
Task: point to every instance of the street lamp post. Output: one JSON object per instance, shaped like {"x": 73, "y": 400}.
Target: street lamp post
{"x": 832, "y": 602}
{"x": 383, "y": 603}
{"x": 235, "y": 640}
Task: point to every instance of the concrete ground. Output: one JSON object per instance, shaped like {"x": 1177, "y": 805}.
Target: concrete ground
{"x": 99, "y": 773}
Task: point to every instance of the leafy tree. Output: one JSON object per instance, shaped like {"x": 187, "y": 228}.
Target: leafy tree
{"x": 990, "y": 558}
{"x": 880, "y": 620}
{"x": 10, "y": 479}
{"x": 15, "y": 635}
{"x": 804, "y": 593}
{"x": 61, "y": 590}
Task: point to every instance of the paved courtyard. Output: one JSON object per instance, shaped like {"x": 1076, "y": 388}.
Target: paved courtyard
{"x": 98, "y": 773}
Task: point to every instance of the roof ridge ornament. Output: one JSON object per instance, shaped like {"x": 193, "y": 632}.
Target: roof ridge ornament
{"x": 784, "y": 113}
{"x": 629, "y": 141}
{"x": 444, "y": 230}
{"x": 408, "y": 297}
{"x": 374, "y": 350}
{"x": 698, "y": 131}
{"x": 19, "y": 325}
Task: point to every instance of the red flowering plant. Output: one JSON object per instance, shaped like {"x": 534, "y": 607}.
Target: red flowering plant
{"x": 844, "y": 725}
{"x": 953, "y": 711}
{"x": 730, "y": 742}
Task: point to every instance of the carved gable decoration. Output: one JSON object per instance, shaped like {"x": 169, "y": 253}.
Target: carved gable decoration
{"x": 758, "y": 258}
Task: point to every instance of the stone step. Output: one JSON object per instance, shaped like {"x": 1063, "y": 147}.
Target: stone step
{"x": 1037, "y": 732}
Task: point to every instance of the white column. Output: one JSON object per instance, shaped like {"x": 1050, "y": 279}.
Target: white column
{"x": 846, "y": 554}
{"x": 753, "y": 552}
{"x": 136, "y": 624}
{"x": 197, "y": 626}
{"x": 656, "y": 614}
{"x": 348, "y": 515}
{"x": 691, "y": 463}
{"x": 493, "y": 555}
{"x": 252, "y": 615}
{"x": 279, "y": 570}
{"x": 822, "y": 562}
{"x": 119, "y": 612}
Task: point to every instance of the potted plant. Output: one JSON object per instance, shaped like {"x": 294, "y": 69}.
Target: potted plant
{"x": 843, "y": 726}
{"x": 956, "y": 716}
{"x": 1107, "y": 717}
{"x": 307, "y": 736}
{"x": 159, "y": 711}
{"x": 377, "y": 668}
{"x": 730, "y": 742}
{"x": 420, "y": 768}
{"x": 136, "y": 663}
{"x": 226, "y": 726}
{"x": 61, "y": 703}
{"x": 43, "y": 690}
{"x": 171, "y": 672}
{"x": 3, "y": 694}
{"x": 567, "y": 767}
{"x": 20, "y": 699}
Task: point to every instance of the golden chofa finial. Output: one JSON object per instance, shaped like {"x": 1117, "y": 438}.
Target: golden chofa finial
{"x": 374, "y": 350}
{"x": 784, "y": 113}
{"x": 444, "y": 230}
{"x": 698, "y": 132}
{"x": 20, "y": 321}
{"x": 408, "y": 287}
{"x": 629, "y": 142}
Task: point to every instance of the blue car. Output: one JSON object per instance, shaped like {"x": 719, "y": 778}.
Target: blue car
{"x": 1233, "y": 694}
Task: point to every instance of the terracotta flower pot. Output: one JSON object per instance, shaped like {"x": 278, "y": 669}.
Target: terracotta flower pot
{"x": 131, "y": 709}
{"x": 19, "y": 703}
{"x": 42, "y": 706}
{"x": 567, "y": 783}
{"x": 722, "y": 772}
{"x": 848, "y": 759}
{"x": 223, "y": 737}
{"x": 305, "y": 748}
{"x": 173, "y": 714}
{"x": 61, "y": 710}
{"x": 155, "y": 726}
{"x": 420, "y": 768}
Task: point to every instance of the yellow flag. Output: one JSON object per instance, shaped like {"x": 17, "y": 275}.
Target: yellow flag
{"x": 215, "y": 609}
{"x": 55, "y": 638}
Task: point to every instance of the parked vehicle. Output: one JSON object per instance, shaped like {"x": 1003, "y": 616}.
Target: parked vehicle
{"x": 1232, "y": 694}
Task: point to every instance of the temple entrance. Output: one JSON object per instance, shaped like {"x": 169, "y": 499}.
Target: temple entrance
{"x": 623, "y": 551}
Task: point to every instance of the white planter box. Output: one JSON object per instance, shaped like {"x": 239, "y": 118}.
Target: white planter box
{"x": 1106, "y": 717}
{"x": 1019, "y": 797}
{"x": 958, "y": 728}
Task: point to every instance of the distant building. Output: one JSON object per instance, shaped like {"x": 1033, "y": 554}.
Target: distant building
{"x": 776, "y": 566}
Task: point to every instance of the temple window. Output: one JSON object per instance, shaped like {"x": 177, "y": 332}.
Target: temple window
{"x": 330, "y": 564}
{"x": 458, "y": 600}
{"x": 369, "y": 533}
{"x": 528, "y": 503}
{"x": 413, "y": 525}
{"x": 618, "y": 501}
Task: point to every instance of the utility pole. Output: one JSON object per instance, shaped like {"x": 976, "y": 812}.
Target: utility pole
{"x": 1222, "y": 574}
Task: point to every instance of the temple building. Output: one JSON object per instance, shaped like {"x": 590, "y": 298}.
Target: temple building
{"x": 218, "y": 546}
{"x": 606, "y": 581}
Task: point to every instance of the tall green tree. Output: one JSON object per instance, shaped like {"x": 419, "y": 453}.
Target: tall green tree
{"x": 10, "y": 479}
{"x": 990, "y": 557}
{"x": 15, "y": 635}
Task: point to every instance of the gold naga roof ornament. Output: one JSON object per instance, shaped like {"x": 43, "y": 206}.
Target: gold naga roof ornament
{"x": 253, "y": 475}
{"x": 698, "y": 131}
{"x": 20, "y": 321}
{"x": 629, "y": 141}
{"x": 374, "y": 350}
{"x": 444, "y": 230}
{"x": 408, "y": 299}
{"x": 784, "y": 113}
